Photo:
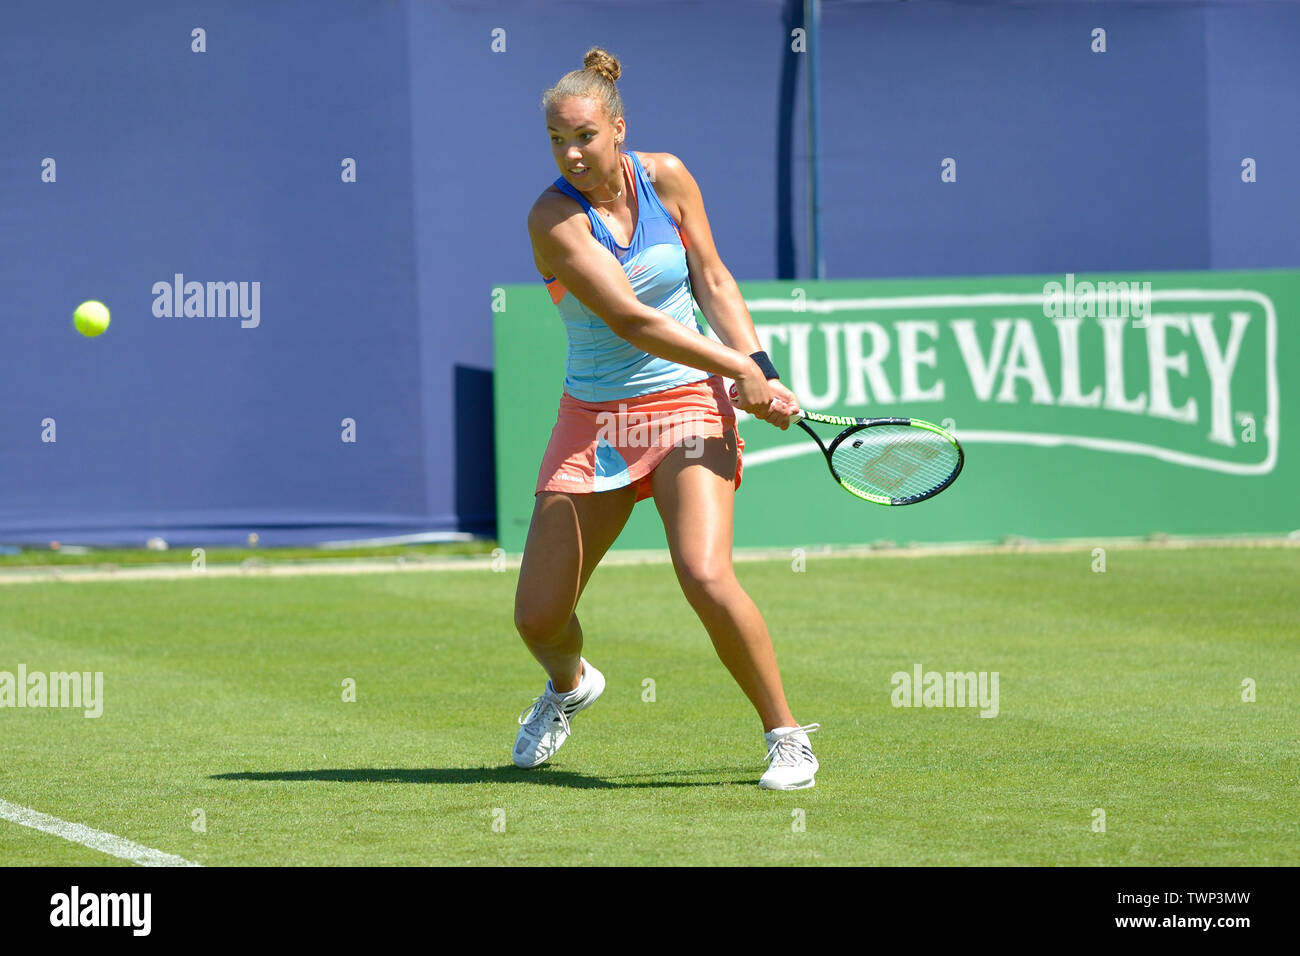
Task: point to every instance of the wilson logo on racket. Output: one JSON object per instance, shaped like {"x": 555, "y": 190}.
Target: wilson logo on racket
{"x": 888, "y": 461}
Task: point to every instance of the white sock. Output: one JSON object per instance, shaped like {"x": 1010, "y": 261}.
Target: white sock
{"x": 582, "y": 679}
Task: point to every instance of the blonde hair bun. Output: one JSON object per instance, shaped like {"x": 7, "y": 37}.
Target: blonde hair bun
{"x": 595, "y": 80}
{"x": 603, "y": 62}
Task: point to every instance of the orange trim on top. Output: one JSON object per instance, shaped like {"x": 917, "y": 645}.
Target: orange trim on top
{"x": 556, "y": 288}
{"x": 627, "y": 164}
{"x": 681, "y": 237}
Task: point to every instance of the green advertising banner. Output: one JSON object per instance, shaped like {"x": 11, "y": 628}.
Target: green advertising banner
{"x": 1088, "y": 405}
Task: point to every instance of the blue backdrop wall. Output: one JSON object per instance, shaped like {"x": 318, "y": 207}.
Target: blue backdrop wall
{"x": 351, "y": 395}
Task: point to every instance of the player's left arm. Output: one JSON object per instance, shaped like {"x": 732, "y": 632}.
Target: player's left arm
{"x": 712, "y": 284}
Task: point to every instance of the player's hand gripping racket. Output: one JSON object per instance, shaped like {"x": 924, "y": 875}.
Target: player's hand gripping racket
{"x": 890, "y": 461}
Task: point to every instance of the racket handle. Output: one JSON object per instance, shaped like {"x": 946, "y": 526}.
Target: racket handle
{"x": 734, "y": 392}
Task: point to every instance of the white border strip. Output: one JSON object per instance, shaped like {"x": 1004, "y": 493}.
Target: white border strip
{"x": 116, "y": 846}
{"x": 1272, "y": 427}
{"x": 626, "y": 556}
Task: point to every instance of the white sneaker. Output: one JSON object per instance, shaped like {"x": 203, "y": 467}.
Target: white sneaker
{"x": 544, "y": 724}
{"x": 792, "y": 764}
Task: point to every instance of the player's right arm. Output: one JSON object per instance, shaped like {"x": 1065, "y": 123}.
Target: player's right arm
{"x": 563, "y": 243}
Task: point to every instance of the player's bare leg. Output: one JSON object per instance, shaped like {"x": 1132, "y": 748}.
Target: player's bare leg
{"x": 568, "y": 536}
{"x": 696, "y": 498}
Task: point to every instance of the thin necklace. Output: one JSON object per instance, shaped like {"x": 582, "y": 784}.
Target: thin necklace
{"x": 601, "y": 201}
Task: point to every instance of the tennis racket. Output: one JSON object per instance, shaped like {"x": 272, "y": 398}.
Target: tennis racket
{"x": 889, "y": 461}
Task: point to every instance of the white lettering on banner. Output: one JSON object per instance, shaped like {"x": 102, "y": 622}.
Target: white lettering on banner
{"x": 1162, "y": 363}
{"x": 801, "y": 380}
{"x": 1113, "y": 351}
{"x": 982, "y": 371}
{"x": 1189, "y": 345}
{"x": 869, "y": 363}
{"x": 767, "y": 334}
{"x": 1221, "y": 365}
{"x": 1025, "y": 362}
{"x": 1067, "y": 334}
{"x": 911, "y": 357}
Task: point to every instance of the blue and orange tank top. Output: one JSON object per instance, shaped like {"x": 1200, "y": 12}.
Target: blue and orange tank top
{"x": 602, "y": 367}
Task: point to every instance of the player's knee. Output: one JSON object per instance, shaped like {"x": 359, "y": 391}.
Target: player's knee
{"x": 537, "y": 623}
{"x": 706, "y": 582}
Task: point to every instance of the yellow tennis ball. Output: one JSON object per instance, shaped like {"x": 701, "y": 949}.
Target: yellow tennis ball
{"x": 91, "y": 318}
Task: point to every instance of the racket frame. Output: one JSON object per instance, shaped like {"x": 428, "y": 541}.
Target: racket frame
{"x": 854, "y": 425}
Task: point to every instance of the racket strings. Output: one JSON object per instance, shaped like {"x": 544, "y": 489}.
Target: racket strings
{"x": 897, "y": 461}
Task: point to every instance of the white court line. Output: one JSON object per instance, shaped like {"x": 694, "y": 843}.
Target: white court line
{"x": 87, "y": 836}
{"x": 73, "y": 573}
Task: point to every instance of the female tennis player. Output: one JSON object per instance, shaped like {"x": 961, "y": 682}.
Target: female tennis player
{"x": 622, "y": 241}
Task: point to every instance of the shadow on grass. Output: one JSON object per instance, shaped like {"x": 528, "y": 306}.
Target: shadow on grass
{"x": 548, "y": 776}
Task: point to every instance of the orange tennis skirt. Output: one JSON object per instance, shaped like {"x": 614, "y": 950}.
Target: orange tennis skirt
{"x": 600, "y": 446}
